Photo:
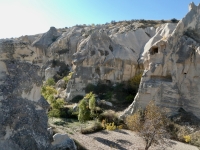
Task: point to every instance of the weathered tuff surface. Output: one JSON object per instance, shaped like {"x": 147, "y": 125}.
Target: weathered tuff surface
{"x": 23, "y": 119}
{"x": 107, "y": 52}
{"x": 112, "y": 53}
{"x": 172, "y": 68}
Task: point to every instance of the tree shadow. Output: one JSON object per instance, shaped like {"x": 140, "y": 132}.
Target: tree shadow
{"x": 104, "y": 132}
{"x": 109, "y": 143}
{"x": 121, "y": 131}
{"x": 124, "y": 141}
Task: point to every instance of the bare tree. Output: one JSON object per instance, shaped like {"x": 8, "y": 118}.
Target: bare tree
{"x": 150, "y": 124}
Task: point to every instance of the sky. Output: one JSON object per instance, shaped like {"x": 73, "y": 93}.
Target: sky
{"x": 29, "y": 17}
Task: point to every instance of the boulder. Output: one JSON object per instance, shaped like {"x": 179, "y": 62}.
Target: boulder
{"x": 63, "y": 142}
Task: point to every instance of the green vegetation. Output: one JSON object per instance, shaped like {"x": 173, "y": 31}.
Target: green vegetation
{"x": 68, "y": 77}
{"x": 122, "y": 92}
{"x": 87, "y": 107}
{"x": 84, "y": 111}
{"x": 49, "y": 92}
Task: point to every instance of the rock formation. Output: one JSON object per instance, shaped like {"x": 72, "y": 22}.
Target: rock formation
{"x": 167, "y": 53}
{"x": 171, "y": 67}
{"x": 23, "y": 119}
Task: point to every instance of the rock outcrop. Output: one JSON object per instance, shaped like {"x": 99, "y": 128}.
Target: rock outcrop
{"x": 168, "y": 54}
{"x": 23, "y": 119}
{"x": 171, "y": 67}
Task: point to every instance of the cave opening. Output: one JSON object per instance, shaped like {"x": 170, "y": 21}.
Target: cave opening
{"x": 155, "y": 50}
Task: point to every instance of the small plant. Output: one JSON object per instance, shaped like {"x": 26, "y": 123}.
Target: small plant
{"x": 50, "y": 82}
{"x": 67, "y": 78}
{"x": 109, "y": 116}
{"x": 110, "y": 126}
{"x": 187, "y": 138}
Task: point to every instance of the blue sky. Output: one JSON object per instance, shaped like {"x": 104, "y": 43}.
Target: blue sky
{"x": 26, "y": 17}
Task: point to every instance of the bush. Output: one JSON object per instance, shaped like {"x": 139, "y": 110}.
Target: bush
{"x": 87, "y": 107}
{"x": 50, "y": 82}
{"x": 56, "y": 113}
{"x": 84, "y": 111}
{"x": 195, "y": 138}
{"x": 49, "y": 92}
{"x": 96, "y": 126}
{"x": 150, "y": 124}
{"x": 109, "y": 116}
{"x": 68, "y": 77}
{"x": 174, "y": 20}
{"x": 134, "y": 82}
{"x": 187, "y": 138}
{"x": 110, "y": 126}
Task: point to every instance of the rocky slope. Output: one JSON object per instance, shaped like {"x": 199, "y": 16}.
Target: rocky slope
{"x": 167, "y": 53}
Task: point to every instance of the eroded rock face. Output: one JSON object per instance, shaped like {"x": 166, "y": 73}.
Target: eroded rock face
{"x": 168, "y": 54}
{"x": 23, "y": 119}
{"x": 171, "y": 75}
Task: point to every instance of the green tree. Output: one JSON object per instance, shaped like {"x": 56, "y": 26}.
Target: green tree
{"x": 84, "y": 112}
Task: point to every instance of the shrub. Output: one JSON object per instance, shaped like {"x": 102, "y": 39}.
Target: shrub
{"x": 134, "y": 82}
{"x": 50, "y": 82}
{"x": 68, "y": 77}
{"x": 92, "y": 103}
{"x": 174, "y": 20}
{"x": 58, "y": 103}
{"x": 109, "y": 116}
{"x": 55, "y": 113}
{"x": 150, "y": 124}
{"x": 110, "y": 126}
{"x": 48, "y": 92}
{"x": 96, "y": 126}
{"x": 84, "y": 112}
{"x": 195, "y": 138}
{"x": 87, "y": 107}
{"x": 187, "y": 138}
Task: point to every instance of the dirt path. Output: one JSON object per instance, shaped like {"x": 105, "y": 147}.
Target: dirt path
{"x": 118, "y": 140}
{"x": 123, "y": 140}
